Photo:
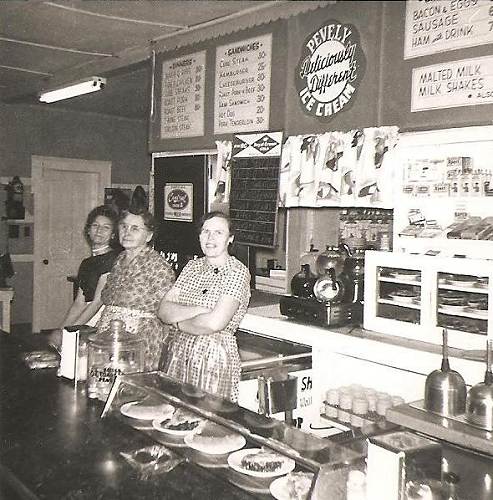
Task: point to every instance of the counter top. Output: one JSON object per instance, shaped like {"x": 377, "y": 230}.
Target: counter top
{"x": 264, "y": 317}
{"x": 55, "y": 445}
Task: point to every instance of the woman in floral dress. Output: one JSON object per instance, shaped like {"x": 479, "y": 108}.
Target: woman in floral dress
{"x": 205, "y": 307}
{"x": 140, "y": 278}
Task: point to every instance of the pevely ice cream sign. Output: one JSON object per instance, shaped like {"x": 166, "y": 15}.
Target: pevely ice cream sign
{"x": 330, "y": 69}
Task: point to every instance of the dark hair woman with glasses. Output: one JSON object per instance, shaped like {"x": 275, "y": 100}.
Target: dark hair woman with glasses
{"x": 138, "y": 281}
{"x": 205, "y": 307}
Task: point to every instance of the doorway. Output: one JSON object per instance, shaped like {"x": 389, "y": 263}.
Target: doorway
{"x": 65, "y": 190}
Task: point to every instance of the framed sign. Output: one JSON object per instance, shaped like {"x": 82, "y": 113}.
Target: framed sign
{"x": 451, "y": 84}
{"x": 182, "y": 97}
{"x": 433, "y": 27}
{"x": 242, "y": 92}
{"x": 178, "y": 201}
{"x": 330, "y": 70}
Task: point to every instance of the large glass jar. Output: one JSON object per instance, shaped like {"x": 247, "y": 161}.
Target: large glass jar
{"x": 112, "y": 353}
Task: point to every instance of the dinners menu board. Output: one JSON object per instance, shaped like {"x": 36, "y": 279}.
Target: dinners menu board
{"x": 182, "y": 101}
{"x": 254, "y": 191}
{"x": 433, "y": 27}
{"x": 242, "y": 91}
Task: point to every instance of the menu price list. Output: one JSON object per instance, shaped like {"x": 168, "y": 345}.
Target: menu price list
{"x": 182, "y": 103}
{"x": 444, "y": 25}
{"x": 242, "y": 90}
{"x": 254, "y": 199}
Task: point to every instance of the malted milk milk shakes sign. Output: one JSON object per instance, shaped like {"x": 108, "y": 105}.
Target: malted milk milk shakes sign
{"x": 451, "y": 84}
{"x": 330, "y": 70}
{"x": 182, "y": 98}
{"x": 242, "y": 91}
{"x": 439, "y": 25}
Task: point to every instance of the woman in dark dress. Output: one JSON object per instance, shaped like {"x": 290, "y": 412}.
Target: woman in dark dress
{"x": 100, "y": 233}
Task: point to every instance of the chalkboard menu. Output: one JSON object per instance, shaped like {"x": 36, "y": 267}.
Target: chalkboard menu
{"x": 254, "y": 191}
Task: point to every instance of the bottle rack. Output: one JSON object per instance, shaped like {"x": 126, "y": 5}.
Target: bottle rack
{"x": 367, "y": 424}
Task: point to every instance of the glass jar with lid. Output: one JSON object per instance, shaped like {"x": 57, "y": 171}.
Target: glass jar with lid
{"x": 112, "y": 353}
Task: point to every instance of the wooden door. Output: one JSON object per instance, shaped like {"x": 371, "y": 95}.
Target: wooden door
{"x": 65, "y": 190}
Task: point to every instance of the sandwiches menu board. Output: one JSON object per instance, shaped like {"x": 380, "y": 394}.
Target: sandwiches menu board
{"x": 242, "y": 92}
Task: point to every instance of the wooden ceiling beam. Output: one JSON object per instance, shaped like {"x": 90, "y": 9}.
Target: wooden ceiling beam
{"x": 54, "y": 47}
{"x": 112, "y": 17}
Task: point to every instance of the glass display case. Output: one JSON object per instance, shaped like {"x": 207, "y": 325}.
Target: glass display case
{"x": 247, "y": 449}
{"x": 399, "y": 294}
{"x": 457, "y": 458}
{"x": 416, "y": 296}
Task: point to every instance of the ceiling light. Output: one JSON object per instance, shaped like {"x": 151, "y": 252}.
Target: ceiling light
{"x": 86, "y": 86}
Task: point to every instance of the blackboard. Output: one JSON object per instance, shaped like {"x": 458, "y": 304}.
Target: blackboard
{"x": 254, "y": 199}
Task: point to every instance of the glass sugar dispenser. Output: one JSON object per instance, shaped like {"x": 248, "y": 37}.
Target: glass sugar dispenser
{"x": 112, "y": 353}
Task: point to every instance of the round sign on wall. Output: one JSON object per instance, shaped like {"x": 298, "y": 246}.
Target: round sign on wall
{"x": 178, "y": 199}
{"x": 330, "y": 70}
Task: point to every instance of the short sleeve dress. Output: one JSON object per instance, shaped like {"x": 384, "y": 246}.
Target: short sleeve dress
{"x": 210, "y": 362}
{"x": 133, "y": 293}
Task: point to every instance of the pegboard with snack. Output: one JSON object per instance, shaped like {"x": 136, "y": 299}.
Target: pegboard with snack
{"x": 444, "y": 197}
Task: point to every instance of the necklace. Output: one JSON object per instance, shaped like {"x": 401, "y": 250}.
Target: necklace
{"x": 100, "y": 250}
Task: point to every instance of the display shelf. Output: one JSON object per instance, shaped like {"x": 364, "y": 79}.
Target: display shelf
{"x": 452, "y": 293}
{"x": 27, "y": 220}
{"x": 308, "y": 451}
{"x": 476, "y": 289}
{"x": 455, "y": 430}
{"x": 410, "y": 305}
{"x": 464, "y": 314}
{"x": 387, "y": 279}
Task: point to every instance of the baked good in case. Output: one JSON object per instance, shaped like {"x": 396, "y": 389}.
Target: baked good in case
{"x": 298, "y": 485}
{"x": 215, "y": 439}
{"x": 182, "y": 420}
{"x": 143, "y": 411}
{"x": 264, "y": 461}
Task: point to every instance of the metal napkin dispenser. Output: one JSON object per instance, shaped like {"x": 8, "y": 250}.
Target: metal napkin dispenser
{"x": 277, "y": 395}
{"x": 73, "y": 355}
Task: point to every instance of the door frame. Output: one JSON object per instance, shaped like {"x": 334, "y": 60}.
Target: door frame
{"x": 38, "y": 166}
{"x": 205, "y": 152}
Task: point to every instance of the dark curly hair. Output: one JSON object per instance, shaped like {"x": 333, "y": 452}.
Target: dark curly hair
{"x": 104, "y": 211}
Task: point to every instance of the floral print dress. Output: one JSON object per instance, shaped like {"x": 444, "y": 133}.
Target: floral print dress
{"x": 133, "y": 293}
{"x": 210, "y": 362}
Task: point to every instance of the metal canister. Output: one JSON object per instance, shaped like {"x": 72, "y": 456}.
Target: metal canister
{"x": 112, "y": 353}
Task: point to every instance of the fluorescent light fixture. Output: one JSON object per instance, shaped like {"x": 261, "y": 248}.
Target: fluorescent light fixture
{"x": 86, "y": 86}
